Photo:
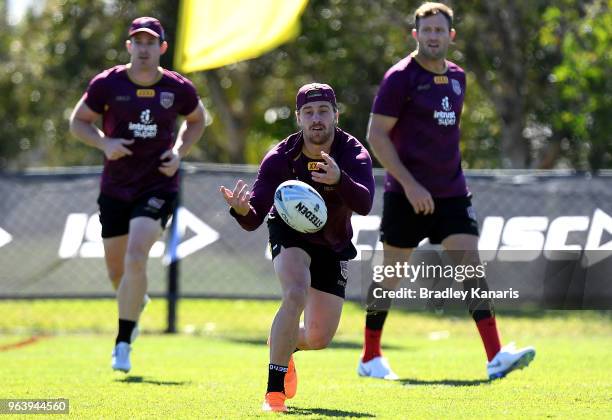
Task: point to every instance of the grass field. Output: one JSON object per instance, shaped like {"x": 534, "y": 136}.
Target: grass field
{"x": 216, "y": 368}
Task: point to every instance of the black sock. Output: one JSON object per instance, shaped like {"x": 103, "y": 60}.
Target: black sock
{"x": 479, "y": 308}
{"x": 276, "y": 378}
{"x": 373, "y": 303}
{"x": 375, "y": 320}
{"x": 125, "y": 331}
{"x": 481, "y": 314}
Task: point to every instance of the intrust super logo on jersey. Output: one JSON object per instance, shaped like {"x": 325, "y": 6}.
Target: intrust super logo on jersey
{"x": 446, "y": 116}
{"x": 146, "y": 128}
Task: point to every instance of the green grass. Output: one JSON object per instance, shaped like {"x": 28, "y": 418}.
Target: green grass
{"x": 218, "y": 369}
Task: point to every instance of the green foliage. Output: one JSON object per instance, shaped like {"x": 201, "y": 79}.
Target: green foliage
{"x": 584, "y": 88}
{"x": 50, "y": 59}
{"x": 348, "y": 44}
{"x": 480, "y": 129}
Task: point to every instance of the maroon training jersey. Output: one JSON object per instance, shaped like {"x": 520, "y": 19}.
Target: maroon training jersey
{"x": 426, "y": 136}
{"x": 353, "y": 193}
{"x": 146, "y": 114}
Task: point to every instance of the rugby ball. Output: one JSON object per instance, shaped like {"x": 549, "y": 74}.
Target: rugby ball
{"x": 300, "y": 206}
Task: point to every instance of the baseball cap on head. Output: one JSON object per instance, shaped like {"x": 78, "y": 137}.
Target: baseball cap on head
{"x": 149, "y": 25}
{"x": 314, "y": 92}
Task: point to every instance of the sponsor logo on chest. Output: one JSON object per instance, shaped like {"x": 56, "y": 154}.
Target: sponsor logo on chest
{"x": 446, "y": 116}
{"x": 312, "y": 166}
{"x": 441, "y": 80}
{"x": 145, "y": 93}
{"x": 146, "y": 128}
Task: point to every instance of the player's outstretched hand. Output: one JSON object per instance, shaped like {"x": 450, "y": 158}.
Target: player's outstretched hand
{"x": 116, "y": 148}
{"x": 239, "y": 198}
{"x": 420, "y": 199}
{"x": 170, "y": 162}
{"x": 331, "y": 171}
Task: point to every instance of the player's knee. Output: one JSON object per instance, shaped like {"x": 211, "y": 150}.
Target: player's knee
{"x": 295, "y": 296}
{"x": 467, "y": 258}
{"x": 318, "y": 340}
{"x": 135, "y": 261}
{"x": 115, "y": 274}
{"x": 115, "y": 280}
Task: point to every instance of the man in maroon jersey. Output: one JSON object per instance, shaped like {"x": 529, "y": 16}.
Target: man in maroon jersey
{"x": 311, "y": 267}
{"x": 139, "y": 103}
{"x": 414, "y": 133}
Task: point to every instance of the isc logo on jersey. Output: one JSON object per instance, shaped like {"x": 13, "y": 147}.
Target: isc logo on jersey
{"x": 300, "y": 206}
{"x": 524, "y": 238}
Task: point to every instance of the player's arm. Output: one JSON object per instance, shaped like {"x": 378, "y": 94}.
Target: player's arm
{"x": 191, "y": 131}
{"x": 356, "y": 186}
{"x": 82, "y": 126}
{"x": 354, "y": 181}
{"x": 250, "y": 207}
{"x": 379, "y": 138}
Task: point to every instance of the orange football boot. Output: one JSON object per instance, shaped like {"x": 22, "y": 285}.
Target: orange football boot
{"x": 275, "y": 402}
{"x": 291, "y": 379}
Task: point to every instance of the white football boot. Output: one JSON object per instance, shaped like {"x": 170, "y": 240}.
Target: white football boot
{"x": 378, "y": 367}
{"x": 509, "y": 358}
{"x": 121, "y": 357}
{"x": 136, "y": 330}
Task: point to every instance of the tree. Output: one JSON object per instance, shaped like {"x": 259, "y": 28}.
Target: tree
{"x": 51, "y": 58}
{"x": 348, "y": 44}
{"x": 583, "y": 89}
{"x": 537, "y": 78}
{"x": 500, "y": 41}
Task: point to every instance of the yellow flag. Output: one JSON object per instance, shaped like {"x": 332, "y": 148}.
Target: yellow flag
{"x": 214, "y": 33}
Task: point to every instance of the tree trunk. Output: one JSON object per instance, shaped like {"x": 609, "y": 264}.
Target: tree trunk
{"x": 499, "y": 64}
{"x": 234, "y": 128}
{"x": 514, "y": 147}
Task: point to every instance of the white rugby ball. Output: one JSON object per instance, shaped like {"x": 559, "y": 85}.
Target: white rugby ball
{"x": 300, "y": 206}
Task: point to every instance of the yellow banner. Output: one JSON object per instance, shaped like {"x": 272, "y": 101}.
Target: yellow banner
{"x": 214, "y": 33}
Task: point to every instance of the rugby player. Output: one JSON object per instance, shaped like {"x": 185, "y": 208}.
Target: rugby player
{"x": 414, "y": 133}
{"x": 139, "y": 104}
{"x": 311, "y": 268}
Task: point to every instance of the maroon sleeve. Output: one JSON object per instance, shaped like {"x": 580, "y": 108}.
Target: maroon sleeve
{"x": 96, "y": 95}
{"x": 190, "y": 98}
{"x": 356, "y": 185}
{"x": 392, "y": 93}
{"x": 269, "y": 177}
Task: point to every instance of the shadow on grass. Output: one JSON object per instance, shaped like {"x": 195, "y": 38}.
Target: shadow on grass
{"x": 325, "y": 412}
{"x": 335, "y": 344}
{"x": 143, "y": 380}
{"x": 444, "y": 382}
